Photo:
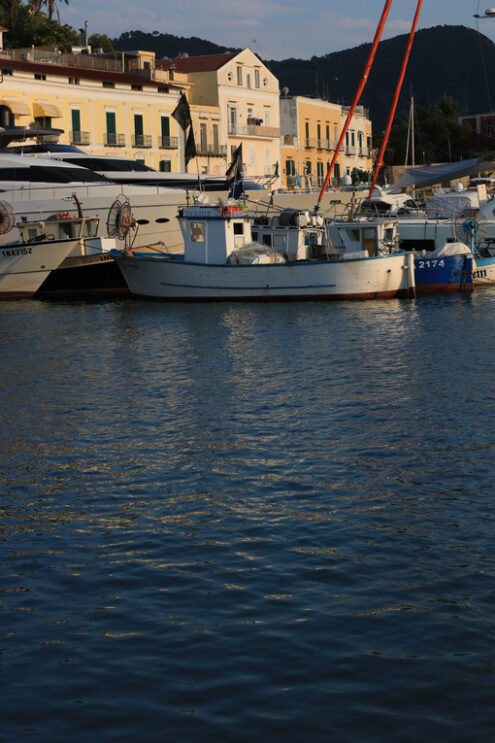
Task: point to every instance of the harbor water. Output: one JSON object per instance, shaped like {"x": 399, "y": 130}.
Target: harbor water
{"x": 241, "y": 522}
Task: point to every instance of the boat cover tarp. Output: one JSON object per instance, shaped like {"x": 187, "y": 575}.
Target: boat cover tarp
{"x": 447, "y": 207}
{"x": 431, "y": 174}
{"x": 450, "y": 249}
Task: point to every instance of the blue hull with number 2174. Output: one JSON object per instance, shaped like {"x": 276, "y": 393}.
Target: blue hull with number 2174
{"x": 436, "y": 272}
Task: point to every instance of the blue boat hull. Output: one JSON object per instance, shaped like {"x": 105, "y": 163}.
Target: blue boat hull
{"x": 453, "y": 273}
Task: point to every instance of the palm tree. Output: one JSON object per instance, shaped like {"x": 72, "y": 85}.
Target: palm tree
{"x": 36, "y": 6}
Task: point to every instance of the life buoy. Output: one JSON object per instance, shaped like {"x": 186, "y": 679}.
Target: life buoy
{"x": 224, "y": 211}
{"x": 61, "y": 215}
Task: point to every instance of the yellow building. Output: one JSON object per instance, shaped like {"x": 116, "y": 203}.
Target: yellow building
{"x": 310, "y": 130}
{"x": 246, "y": 95}
{"x": 108, "y": 106}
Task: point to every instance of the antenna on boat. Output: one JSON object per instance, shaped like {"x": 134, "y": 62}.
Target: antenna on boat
{"x": 391, "y": 115}
{"x": 357, "y": 96}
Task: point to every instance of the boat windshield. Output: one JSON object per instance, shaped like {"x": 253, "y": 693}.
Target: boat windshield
{"x": 50, "y": 174}
{"x": 108, "y": 164}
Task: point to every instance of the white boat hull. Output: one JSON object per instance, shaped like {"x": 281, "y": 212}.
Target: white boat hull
{"x": 362, "y": 278}
{"x": 484, "y": 271}
{"x": 153, "y": 207}
{"x": 25, "y": 266}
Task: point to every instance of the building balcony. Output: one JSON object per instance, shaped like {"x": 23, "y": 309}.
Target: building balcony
{"x": 289, "y": 139}
{"x": 254, "y": 130}
{"x": 141, "y": 140}
{"x": 80, "y": 138}
{"x": 168, "y": 143}
{"x": 311, "y": 143}
{"x": 211, "y": 150}
{"x": 110, "y": 139}
{"x": 358, "y": 111}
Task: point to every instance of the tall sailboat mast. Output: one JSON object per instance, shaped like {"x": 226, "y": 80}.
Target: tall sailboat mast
{"x": 379, "y": 162}
{"x": 357, "y": 96}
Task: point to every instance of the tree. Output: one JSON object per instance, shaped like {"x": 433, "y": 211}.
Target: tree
{"x": 37, "y": 5}
{"x": 101, "y": 41}
{"x": 35, "y": 28}
{"x": 438, "y": 135}
{"x": 9, "y": 10}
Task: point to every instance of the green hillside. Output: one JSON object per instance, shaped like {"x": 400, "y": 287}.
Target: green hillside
{"x": 444, "y": 60}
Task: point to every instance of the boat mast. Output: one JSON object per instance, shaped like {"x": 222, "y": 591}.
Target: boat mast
{"x": 391, "y": 115}
{"x": 363, "y": 82}
{"x": 413, "y": 154}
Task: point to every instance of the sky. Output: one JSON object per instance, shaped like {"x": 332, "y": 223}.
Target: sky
{"x": 274, "y": 29}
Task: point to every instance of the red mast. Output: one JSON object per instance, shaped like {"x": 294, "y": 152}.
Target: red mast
{"x": 363, "y": 82}
{"x": 391, "y": 115}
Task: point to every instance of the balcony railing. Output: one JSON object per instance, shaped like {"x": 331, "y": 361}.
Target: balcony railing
{"x": 289, "y": 139}
{"x": 252, "y": 130}
{"x": 211, "y": 150}
{"x": 80, "y": 137}
{"x": 46, "y": 56}
{"x": 168, "y": 143}
{"x": 110, "y": 139}
{"x": 311, "y": 143}
{"x": 358, "y": 111}
{"x": 141, "y": 140}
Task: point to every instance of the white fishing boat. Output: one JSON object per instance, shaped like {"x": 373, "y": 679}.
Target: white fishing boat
{"x": 43, "y": 246}
{"x": 229, "y": 255}
{"x": 447, "y": 269}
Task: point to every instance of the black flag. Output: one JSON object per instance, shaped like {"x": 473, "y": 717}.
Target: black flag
{"x": 181, "y": 112}
{"x": 234, "y": 174}
{"x": 190, "y": 146}
{"x": 234, "y": 171}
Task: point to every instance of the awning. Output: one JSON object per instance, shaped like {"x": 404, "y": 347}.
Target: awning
{"x": 46, "y": 109}
{"x": 433, "y": 174}
{"x": 17, "y": 107}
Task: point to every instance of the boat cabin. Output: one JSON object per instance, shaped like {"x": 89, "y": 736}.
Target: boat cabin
{"x": 297, "y": 234}
{"x": 219, "y": 234}
{"x": 213, "y": 232}
{"x": 369, "y": 236}
{"x": 60, "y": 226}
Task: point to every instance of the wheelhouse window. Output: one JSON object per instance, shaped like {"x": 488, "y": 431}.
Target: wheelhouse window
{"x": 197, "y": 232}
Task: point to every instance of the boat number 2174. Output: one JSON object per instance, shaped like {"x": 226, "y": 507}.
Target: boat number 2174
{"x": 431, "y": 263}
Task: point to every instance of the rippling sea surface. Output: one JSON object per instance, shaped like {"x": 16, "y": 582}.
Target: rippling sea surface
{"x": 246, "y": 522}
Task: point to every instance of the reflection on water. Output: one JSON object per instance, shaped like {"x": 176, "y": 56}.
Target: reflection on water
{"x": 239, "y": 520}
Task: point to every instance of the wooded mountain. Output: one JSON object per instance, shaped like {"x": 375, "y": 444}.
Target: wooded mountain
{"x": 447, "y": 60}
{"x": 166, "y": 45}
